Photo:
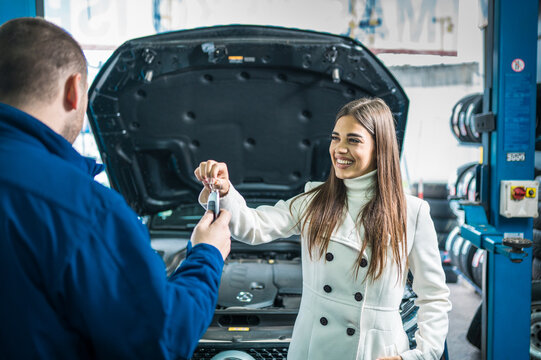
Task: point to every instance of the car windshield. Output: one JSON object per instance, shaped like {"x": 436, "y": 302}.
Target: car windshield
{"x": 186, "y": 217}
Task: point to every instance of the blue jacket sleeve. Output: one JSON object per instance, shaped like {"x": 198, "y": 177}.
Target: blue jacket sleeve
{"x": 118, "y": 297}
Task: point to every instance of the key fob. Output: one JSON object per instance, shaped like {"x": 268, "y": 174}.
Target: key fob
{"x": 213, "y": 203}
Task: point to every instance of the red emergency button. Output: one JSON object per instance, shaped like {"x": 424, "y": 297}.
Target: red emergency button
{"x": 518, "y": 192}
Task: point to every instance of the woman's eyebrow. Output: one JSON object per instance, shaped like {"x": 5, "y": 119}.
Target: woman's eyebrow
{"x": 349, "y": 134}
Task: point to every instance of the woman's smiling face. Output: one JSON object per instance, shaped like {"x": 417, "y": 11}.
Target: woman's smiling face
{"x": 352, "y": 149}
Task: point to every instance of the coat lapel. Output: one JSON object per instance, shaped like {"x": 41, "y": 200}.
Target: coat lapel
{"x": 348, "y": 234}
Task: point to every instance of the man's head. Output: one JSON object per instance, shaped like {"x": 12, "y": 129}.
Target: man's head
{"x": 43, "y": 71}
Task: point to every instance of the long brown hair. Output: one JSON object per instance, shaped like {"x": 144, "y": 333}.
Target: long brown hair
{"x": 384, "y": 216}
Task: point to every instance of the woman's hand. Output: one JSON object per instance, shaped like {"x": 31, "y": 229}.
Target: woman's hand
{"x": 213, "y": 174}
{"x": 390, "y": 358}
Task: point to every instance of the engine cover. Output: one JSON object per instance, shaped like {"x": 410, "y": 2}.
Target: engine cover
{"x": 255, "y": 283}
{"x": 248, "y": 284}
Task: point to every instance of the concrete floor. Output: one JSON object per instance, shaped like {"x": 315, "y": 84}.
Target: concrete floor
{"x": 465, "y": 302}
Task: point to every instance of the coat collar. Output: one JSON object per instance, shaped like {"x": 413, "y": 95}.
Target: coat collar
{"x": 31, "y": 130}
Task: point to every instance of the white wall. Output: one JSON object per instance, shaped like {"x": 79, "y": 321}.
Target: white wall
{"x": 431, "y": 152}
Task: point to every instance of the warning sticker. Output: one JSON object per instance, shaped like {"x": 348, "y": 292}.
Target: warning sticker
{"x": 517, "y": 112}
{"x": 238, "y": 329}
{"x": 517, "y": 65}
{"x": 236, "y": 59}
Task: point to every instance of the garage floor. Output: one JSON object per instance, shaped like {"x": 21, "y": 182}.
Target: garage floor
{"x": 465, "y": 302}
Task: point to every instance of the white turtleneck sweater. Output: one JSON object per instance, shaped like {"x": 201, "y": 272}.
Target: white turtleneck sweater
{"x": 360, "y": 191}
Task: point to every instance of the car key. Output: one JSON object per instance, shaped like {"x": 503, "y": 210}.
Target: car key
{"x": 213, "y": 203}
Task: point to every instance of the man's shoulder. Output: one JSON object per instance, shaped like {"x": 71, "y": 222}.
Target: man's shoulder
{"x": 57, "y": 185}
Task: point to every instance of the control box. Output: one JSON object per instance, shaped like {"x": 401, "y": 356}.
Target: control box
{"x": 518, "y": 198}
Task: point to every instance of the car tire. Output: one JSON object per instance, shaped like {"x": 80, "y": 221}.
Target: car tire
{"x": 443, "y": 225}
{"x": 478, "y": 261}
{"x": 465, "y": 179}
{"x": 457, "y": 117}
{"x": 463, "y": 121}
{"x": 535, "y": 323}
{"x": 537, "y": 220}
{"x": 456, "y": 247}
{"x": 475, "y": 107}
{"x": 450, "y": 275}
{"x": 442, "y": 238}
{"x": 432, "y": 190}
{"x": 439, "y": 208}
{"x": 536, "y": 246}
{"x": 450, "y": 238}
{"x": 474, "y": 331}
{"x": 536, "y": 269}
{"x": 467, "y": 252}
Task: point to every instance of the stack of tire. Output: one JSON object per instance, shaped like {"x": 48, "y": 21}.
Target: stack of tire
{"x": 443, "y": 217}
{"x": 462, "y": 124}
{"x": 463, "y": 185}
{"x": 535, "y": 328}
{"x": 466, "y": 258}
{"x": 536, "y": 261}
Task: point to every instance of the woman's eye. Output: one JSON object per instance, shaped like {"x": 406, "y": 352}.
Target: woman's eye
{"x": 354, "y": 141}
{"x": 335, "y": 138}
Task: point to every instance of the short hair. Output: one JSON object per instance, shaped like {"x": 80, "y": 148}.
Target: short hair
{"x": 34, "y": 54}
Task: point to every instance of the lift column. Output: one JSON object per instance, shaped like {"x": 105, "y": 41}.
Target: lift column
{"x": 510, "y": 95}
{"x": 20, "y": 8}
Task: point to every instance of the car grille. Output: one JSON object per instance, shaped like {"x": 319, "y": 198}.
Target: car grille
{"x": 259, "y": 352}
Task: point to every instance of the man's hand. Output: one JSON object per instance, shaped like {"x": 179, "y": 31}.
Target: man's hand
{"x": 214, "y": 233}
{"x": 390, "y": 358}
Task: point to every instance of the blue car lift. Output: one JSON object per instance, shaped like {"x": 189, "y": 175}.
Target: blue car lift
{"x": 508, "y": 126}
{"x": 20, "y": 8}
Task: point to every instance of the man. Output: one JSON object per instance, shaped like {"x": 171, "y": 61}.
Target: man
{"x": 78, "y": 276}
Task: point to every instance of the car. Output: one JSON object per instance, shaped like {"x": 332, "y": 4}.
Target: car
{"x": 262, "y": 99}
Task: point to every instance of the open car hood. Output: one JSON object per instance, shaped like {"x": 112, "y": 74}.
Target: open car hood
{"x": 262, "y": 99}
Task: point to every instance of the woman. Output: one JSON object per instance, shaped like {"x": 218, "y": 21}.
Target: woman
{"x": 360, "y": 235}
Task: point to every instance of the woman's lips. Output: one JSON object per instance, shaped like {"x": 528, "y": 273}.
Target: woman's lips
{"x": 342, "y": 163}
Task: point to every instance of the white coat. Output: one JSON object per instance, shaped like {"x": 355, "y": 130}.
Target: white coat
{"x": 344, "y": 318}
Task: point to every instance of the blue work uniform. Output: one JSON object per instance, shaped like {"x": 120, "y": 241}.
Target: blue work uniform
{"x": 78, "y": 278}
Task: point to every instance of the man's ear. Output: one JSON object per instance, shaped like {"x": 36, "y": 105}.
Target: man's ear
{"x": 73, "y": 92}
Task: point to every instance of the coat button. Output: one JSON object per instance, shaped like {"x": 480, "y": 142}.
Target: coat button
{"x": 358, "y": 296}
{"x": 329, "y": 256}
{"x": 364, "y": 262}
{"x": 350, "y": 331}
{"x": 323, "y": 321}
{"x": 327, "y": 288}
